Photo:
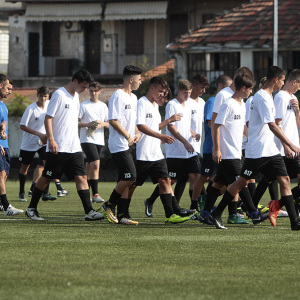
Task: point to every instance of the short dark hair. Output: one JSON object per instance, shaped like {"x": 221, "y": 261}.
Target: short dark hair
{"x": 243, "y": 70}
{"x": 294, "y": 75}
{"x": 275, "y": 72}
{"x": 184, "y": 84}
{"x": 95, "y": 84}
{"x": 243, "y": 80}
{"x": 3, "y": 79}
{"x": 200, "y": 79}
{"x": 43, "y": 90}
{"x": 168, "y": 93}
{"x": 83, "y": 76}
{"x": 157, "y": 80}
{"x": 131, "y": 71}
{"x": 223, "y": 79}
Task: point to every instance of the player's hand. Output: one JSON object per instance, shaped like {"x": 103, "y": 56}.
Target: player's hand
{"x": 216, "y": 155}
{"x": 175, "y": 117}
{"x": 3, "y": 135}
{"x": 197, "y": 137}
{"x": 43, "y": 138}
{"x": 167, "y": 139}
{"x": 295, "y": 104}
{"x": 2, "y": 150}
{"x": 189, "y": 148}
{"x": 136, "y": 138}
{"x": 130, "y": 141}
{"x": 289, "y": 153}
{"x": 53, "y": 147}
{"x": 296, "y": 151}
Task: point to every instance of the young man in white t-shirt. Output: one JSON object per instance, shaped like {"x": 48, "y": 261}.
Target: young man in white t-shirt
{"x": 123, "y": 135}
{"x": 287, "y": 117}
{"x": 64, "y": 154}
{"x": 261, "y": 153}
{"x": 93, "y": 118}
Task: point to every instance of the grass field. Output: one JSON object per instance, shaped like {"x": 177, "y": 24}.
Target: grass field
{"x": 65, "y": 257}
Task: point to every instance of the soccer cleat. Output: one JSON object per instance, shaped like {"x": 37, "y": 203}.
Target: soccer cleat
{"x": 297, "y": 206}
{"x": 127, "y": 221}
{"x": 175, "y": 219}
{"x": 12, "y": 211}
{"x": 282, "y": 213}
{"x": 262, "y": 209}
{"x": 97, "y": 199}
{"x": 258, "y": 217}
{"x": 295, "y": 225}
{"x": 240, "y": 213}
{"x": 109, "y": 213}
{"x": 93, "y": 216}
{"x": 48, "y": 197}
{"x": 201, "y": 200}
{"x": 30, "y": 193}
{"x": 185, "y": 212}
{"x": 217, "y": 220}
{"x": 204, "y": 218}
{"x": 33, "y": 214}
{"x": 235, "y": 219}
{"x": 22, "y": 197}
{"x": 62, "y": 193}
{"x": 274, "y": 208}
{"x": 148, "y": 208}
{"x": 1, "y": 207}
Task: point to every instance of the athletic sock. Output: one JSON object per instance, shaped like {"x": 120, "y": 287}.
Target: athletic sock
{"x": 32, "y": 186}
{"x": 175, "y": 205}
{"x": 260, "y": 190}
{"x": 123, "y": 208}
{"x": 46, "y": 191}
{"x": 94, "y": 186}
{"x": 36, "y": 195}
{"x": 179, "y": 188}
{"x": 166, "y": 200}
{"x": 232, "y": 208}
{"x": 252, "y": 188}
{"x": 273, "y": 190}
{"x": 227, "y": 198}
{"x": 203, "y": 192}
{"x": 288, "y": 202}
{"x": 211, "y": 198}
{"x": 154, "y": 195}
{"x": 4, "y": 201}
{"x": 22, "y": 179}
{"x": 247, "y": 200}
{"x": 193, "y": 202}
{"x": 58, "y": 186}
{"x": 85, "y": 199}
{"x": 208, "y": 186}
{"x": 114, "y": 198}
{"x": 89, "y": 182}
{"x": 296, "y": 192}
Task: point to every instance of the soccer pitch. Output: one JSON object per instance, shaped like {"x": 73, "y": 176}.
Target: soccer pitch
{"x": 65, "y": 257}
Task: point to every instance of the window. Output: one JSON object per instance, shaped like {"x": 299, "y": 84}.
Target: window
{"x": 51, "y": 37}
{"x": 135, "y": 37}
{"x": 178, "y": 25}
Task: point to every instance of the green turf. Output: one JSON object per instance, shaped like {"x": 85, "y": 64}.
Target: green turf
{"x": 65, "y": 257}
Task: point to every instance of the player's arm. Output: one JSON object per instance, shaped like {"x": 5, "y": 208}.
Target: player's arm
{"x": 148, "y": 131}
{"x": 116, "y": 125}
{"x": 174, "y": 118}
{"x": 195, "y": 135}
{"x": 216, "y": 154}
{"x": 212, "y": 124}
{"x": 137, "y": 135}
{"x": 92, "y": 125}
{"x": 53, "y": 147}
{"x": 295, "y": 105}
{"x": 174, "y": 131}
{"x": 42, "y": 136}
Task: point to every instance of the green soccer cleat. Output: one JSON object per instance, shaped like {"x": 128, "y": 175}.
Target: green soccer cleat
{"x": 201, "y": 200}
{"x": 174, "y": 219}
{"x": 262, "y": 209}
{"x": 48, "y": 197}
{"x": 235, "y": 219}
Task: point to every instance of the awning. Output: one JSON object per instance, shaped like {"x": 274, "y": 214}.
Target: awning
{"x": 136, "y": 10}
{"x": 64, "y": 12}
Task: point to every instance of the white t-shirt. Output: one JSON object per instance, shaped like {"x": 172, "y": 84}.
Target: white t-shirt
{"x": 64, "y": 108}
{"x": 197, "y": 119}
{"x": 148, "y": 147}
{"x": 285, "y": 111}
{"x": 248, "y": 103}
{"x": 34, "y": 118}
{"x": 223, "y": 95}
{"x": 121, "y": 107}
{"x": 232, "y": 118}
{"x": 89, "y": 112}
{"x": 176, "y": 149}
{"x": 260, "y": 137}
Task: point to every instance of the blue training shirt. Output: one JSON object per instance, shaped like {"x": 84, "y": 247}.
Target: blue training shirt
{"x": 208, "y": 111}
{"x": 4, "y": 117}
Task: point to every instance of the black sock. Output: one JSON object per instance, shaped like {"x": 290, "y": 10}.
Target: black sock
{"x": 4, "y": 201}
{"x": 89, "y": 183}
{"x": 247, "y": 200}
{"x": 211, "y": 198}
{"x": 46, "y": 191}
{"x": 209, "y": 186}
{"x": 288, "y": 201}
{"x": 252, "y": 188}
{"x": 22, "y": 179}
{"x": 260, "y": 190}
{"x": 36, "y": 195}
{"x": 179, "y": 188}
{"x": 154, "y": 195}
{"x": 203, "y": 192}
{"x": 175, "y": 205}
{"x": 273, "y": 190}
{"x": 32, "y": 186}
{"x": 296, "y": 192}
{"x": 85, "y": 199}
{"x": 166, "y": 200}
{"x": 94, "y": 186}
{"x": 123, "y": 207}
{"x": 232, "y": 208}
{"x": 114, "y": 198}
{"x": 227, "y": 198}
{"x": 190, "y": 193}
{"x": 58, "y": 186}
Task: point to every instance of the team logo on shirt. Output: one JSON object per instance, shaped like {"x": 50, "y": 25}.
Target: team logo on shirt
{"x": 67, "y": 106}
{"x": 149, "y": 115}
{"x": 289, "y": 106}
{"x": 194, "y": 111}
{"x": 127, "y": 106}
{"x": 237, "y": 117}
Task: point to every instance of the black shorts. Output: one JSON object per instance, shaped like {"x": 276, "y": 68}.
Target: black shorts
{"x": 270, "y": 167}
{"x": 26, "y": 157}
{"x": 125, "y": 162}
{"x": 154, "y": 169}
{"x": 5, "y": 161}
{"x": 70, "y": 164}
{"x": 229, "y": 170}
{"x": 91, "y": 151}
{"x": 208, "y": 166}
{"x": 292, "y": 166}
{"x": 183, "y": 166}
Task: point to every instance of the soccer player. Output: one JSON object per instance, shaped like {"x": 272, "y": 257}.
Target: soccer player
{"x": 64, "y": 153}
{"x": 123, "y": 135}
{"x": 5, "y": 91}
{"x": 262, "y": 155}
{"x": 93, "y": 118}
{"x": 150, "y": 160}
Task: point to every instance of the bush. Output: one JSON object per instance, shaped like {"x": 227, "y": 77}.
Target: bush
{"x": 17, "y": 106}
